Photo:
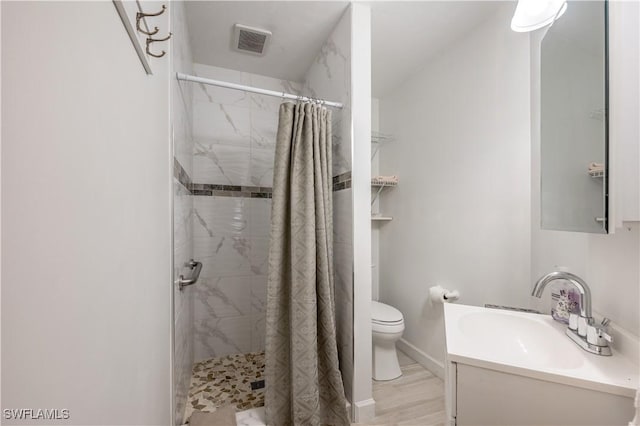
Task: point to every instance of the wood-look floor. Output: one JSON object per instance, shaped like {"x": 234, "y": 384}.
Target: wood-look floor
{"x": 415, "y": 398}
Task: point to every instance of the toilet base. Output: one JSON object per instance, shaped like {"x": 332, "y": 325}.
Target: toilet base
{"x": 385, "y": 360}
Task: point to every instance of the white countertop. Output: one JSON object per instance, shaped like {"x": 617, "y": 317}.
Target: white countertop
{"x": 532, "y": 345}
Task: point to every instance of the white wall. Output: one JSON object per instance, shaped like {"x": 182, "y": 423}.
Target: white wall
{"x": 364, "y": 406}
{"x": 375, "y": 207}
{"x": 461, "y": 212}
{"x": 86, "y": 217}
{"x": 610, "y": 264}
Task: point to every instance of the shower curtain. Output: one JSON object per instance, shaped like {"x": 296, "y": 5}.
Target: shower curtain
{"x": 303, "y": 381}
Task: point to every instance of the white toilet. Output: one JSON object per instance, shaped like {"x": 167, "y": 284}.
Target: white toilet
{"x": 387, "y": 324}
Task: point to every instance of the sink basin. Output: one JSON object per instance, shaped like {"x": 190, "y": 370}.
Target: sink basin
{"x": 524, "y": 339}
{"x": 532, "y": 345}
{"x": 513, "y": 368}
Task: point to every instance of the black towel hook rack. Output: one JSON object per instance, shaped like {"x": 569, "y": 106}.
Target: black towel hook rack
{"x": 153, "y": 40}
{"x": 139, "y": 17}
{"x": 142, "y": 15}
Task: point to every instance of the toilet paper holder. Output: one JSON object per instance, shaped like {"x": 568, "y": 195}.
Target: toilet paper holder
{"x": 438, "y": 294}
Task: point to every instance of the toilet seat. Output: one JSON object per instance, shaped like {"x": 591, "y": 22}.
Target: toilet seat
{"x": 385, "y": 314}
{"x": 386, "y": 319}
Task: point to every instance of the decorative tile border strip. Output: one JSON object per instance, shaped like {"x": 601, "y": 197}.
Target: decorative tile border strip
{"x": 230, "y": 190}
{"x": 340, "y": 182}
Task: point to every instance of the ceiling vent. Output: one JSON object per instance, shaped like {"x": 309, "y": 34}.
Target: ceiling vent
{"x": 250, "y": 40}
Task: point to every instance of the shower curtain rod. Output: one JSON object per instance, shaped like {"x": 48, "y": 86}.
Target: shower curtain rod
{"x": 195, "y": 79}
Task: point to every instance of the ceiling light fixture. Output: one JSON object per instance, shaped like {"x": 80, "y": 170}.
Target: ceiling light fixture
{"x": 531, "y": 15}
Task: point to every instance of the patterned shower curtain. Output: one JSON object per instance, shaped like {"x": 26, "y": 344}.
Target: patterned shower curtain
{"x": 303, "y": 381}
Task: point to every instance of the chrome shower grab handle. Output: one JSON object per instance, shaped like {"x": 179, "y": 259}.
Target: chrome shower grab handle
{"x": 196, "y": 267}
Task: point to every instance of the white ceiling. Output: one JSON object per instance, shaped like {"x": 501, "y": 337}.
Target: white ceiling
{"x": 405, "y": 34}
{"x": 299, "y": 31}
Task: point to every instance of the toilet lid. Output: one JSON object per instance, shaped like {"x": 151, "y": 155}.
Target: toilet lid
{"x": 381, "y": 313}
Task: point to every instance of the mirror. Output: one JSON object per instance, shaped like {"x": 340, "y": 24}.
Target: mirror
{"x": 574, "y": 120}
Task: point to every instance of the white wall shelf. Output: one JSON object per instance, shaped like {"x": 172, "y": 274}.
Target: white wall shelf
{"x": 378, "y": 182}
{"x": 381, "y": 183}
{"x": 378, "y": 139}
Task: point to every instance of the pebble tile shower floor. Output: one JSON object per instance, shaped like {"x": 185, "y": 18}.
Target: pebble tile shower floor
{"x": 415, "y": 398}
{"x": 226, "y": 381}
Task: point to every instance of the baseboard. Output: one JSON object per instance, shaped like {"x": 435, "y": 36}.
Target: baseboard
{"x": 428, "y": 362}
{"x": 364, "y": 410}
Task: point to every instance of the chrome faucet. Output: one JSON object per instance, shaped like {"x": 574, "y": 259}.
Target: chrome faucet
{"x": 583, "y": 290}
{"x": 581, "y": 330}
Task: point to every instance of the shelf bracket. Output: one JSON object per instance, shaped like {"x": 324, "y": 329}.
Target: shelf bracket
{"x": 375, "y": 197}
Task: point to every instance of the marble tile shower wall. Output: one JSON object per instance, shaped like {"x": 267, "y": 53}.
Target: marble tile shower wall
{"x": 234, "y": 134}
{"x": 183, "y": 300}
{"x": 234, "y": 131}
{"x": 330, "y": 77}
{"x": 181, "y": 116}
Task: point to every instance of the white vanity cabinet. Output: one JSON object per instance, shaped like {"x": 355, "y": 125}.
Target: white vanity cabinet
{"x": 516, "y": 368}
{"x": 480, "y": 396}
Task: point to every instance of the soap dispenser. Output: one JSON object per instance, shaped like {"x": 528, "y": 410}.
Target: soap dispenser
{"x": 566, "y": 299}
